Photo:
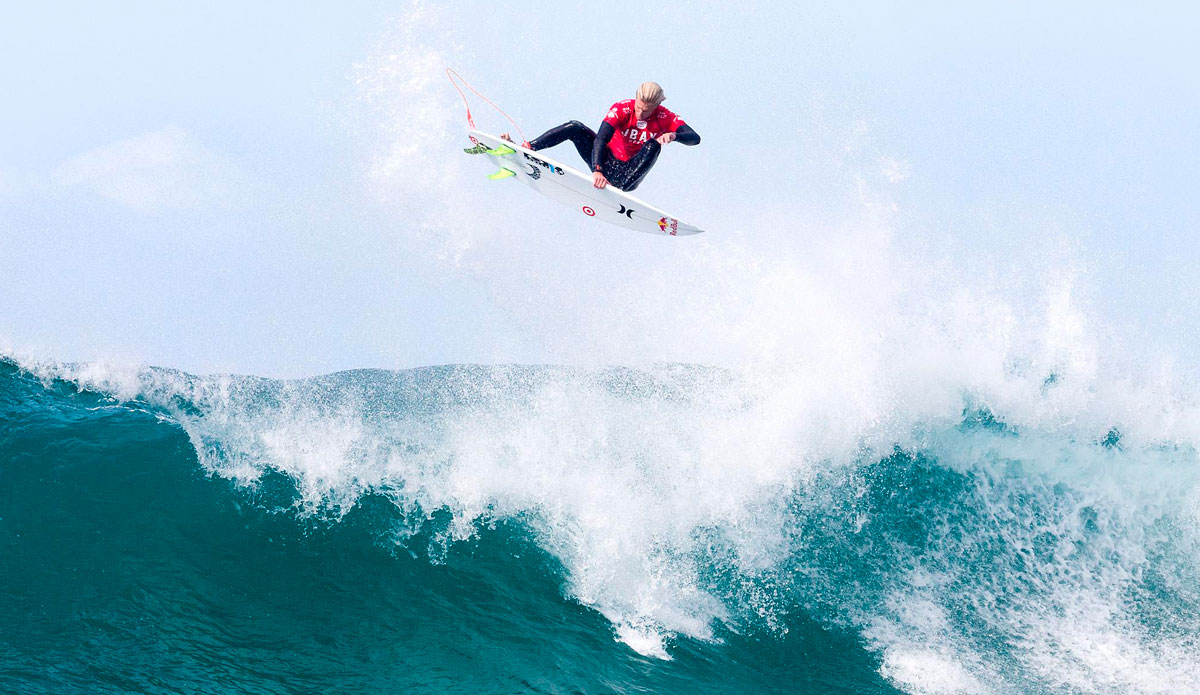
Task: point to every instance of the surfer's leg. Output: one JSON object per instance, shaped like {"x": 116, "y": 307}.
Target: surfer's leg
{"x": 628, "y": 175}
{"x": 579, "y": 134}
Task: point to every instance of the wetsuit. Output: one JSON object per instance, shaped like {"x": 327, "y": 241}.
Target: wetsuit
{"x": 625, "y": 148}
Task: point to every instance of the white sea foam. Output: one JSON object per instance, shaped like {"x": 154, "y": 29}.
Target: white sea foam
{"x": 929, "y": 672}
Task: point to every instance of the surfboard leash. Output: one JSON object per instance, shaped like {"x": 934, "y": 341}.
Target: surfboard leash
{"x": 453, "y": 76}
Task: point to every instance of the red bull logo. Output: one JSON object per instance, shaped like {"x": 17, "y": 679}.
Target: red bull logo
{"x": 665, "y": 222}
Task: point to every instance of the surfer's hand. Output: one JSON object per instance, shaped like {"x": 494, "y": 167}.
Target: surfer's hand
{"x": 599, "y": 180}
{"x": 665, "y": 138}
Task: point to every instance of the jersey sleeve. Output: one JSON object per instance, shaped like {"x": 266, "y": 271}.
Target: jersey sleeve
{"x": 616, "y": 118}
{"x": 672, "y": 122}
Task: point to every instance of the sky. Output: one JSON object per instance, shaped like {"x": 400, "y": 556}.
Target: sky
{"x": 277, "y": 189}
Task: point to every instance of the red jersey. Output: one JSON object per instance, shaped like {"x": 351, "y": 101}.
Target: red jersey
{"x": 631, "y": 133}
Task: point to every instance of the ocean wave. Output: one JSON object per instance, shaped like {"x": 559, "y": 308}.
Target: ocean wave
{"x": 969, "y": 551}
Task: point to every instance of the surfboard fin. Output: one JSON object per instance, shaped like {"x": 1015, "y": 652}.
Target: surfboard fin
{"x": 478, "y": 149}
{"x": 501, "y": 150}
{"x": 502, "y": 174}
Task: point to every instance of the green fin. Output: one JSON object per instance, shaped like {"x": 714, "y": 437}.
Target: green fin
{"x": 502, "y": 174}
{"x": 503, "y": 149}
{"x": 478, "y": 149}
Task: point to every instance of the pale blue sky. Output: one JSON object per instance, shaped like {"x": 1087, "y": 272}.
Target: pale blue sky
{"x": 276, "y": 188}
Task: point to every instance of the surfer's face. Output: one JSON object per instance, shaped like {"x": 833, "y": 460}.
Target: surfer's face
{"x": 643, "y": 110}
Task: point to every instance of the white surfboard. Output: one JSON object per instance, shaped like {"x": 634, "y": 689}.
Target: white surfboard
{"x": 574, "y": 188}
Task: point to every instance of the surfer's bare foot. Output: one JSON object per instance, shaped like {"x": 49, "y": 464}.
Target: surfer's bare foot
{"x": 506, "y": 136}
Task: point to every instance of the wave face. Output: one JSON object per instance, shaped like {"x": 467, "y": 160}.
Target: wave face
{"x": 540, "y": 529}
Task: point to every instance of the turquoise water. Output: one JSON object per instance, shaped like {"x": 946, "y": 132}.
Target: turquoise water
{"x": 548, "y": 530}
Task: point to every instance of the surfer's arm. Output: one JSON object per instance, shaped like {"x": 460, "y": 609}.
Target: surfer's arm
{"x": 603, "y": 136}
{"x": 686, "y": 135}
{"x": 683, "y": 134}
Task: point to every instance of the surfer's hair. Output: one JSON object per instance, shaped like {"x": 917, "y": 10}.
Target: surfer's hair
{"x": 651, "y": 93}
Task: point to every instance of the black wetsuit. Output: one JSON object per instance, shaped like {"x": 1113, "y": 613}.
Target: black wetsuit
{"x": 593, "y": 148}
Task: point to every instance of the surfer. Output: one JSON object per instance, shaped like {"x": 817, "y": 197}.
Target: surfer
{"x": 629, "y": 141}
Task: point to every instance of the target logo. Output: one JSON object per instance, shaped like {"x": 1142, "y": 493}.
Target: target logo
{"x": 588, "y": 211}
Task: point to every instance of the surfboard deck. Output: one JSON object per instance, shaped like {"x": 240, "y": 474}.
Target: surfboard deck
{"x": 574, "y": 188}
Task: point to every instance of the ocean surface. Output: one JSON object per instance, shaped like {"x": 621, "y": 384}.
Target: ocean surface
{"x": 530, "y": 529}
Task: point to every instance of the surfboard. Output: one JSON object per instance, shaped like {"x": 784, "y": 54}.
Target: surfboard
{"x": 574, "y": 188}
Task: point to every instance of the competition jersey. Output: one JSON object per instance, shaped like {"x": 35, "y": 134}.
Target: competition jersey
{"x": 631, "y": 133}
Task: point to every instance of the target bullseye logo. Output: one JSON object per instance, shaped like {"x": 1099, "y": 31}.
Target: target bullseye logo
{"x": 588, "y": 211}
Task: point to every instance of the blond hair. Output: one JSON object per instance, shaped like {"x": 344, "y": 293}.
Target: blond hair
{"x": 651, "y": 93}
